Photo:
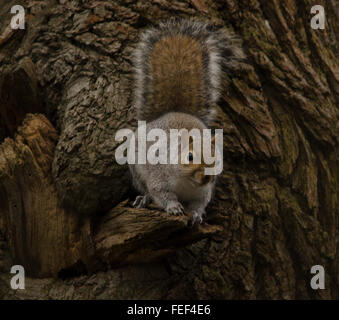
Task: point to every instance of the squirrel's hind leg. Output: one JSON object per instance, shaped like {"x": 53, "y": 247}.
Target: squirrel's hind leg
{"x": 197, "y": 216}
{"x": 198, "y": 212}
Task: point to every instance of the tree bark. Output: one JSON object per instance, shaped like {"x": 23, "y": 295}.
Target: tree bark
{"x": 65, "y": 214}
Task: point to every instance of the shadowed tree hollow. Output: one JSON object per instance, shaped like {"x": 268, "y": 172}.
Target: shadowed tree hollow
{"x": 65, "y": 213}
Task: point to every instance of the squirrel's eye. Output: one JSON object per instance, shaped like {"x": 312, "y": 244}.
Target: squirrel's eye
{"x": 190, "y": 157}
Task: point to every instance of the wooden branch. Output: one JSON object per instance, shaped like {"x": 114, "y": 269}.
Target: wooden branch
{"x": 129, "y": 235}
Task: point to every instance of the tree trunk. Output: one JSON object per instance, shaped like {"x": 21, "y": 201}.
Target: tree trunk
{"x": 65, "y": 213}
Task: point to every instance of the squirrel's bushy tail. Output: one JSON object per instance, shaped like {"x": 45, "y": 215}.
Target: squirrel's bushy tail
{"x": 179, "y": 66}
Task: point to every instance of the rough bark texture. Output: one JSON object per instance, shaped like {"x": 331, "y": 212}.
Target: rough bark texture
{"x": 64, "y": 210}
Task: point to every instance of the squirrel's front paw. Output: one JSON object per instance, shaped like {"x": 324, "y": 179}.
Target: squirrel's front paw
{"x": 174, "y": 208}
{"x": 142, "y": 201}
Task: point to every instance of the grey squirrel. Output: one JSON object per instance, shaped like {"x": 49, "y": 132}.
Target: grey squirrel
{"x": 178, "y": 70}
